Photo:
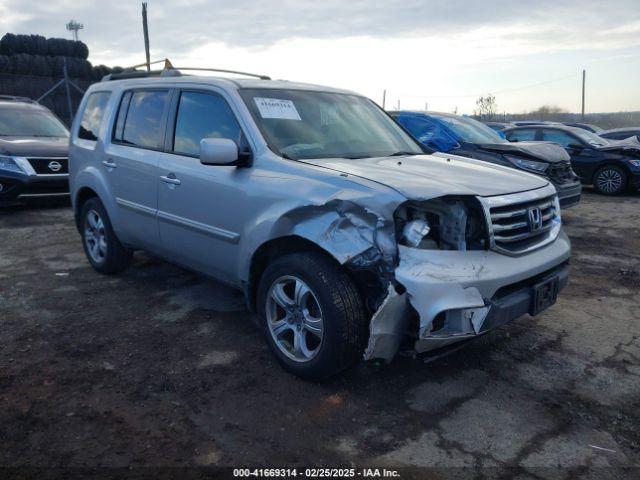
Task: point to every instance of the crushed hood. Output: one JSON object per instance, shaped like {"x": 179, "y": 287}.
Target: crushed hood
{"x": 429, "y": 176}
{"x": 34, "y": 146}
{"x": 545, "y": 151}
{"x": 628, "y": 145}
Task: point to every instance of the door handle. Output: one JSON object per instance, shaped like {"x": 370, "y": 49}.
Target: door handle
{"x": 109, "y": 163}
{"x": 170, "y": 179}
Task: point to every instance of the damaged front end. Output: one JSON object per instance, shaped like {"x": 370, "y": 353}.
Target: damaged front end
{"x": 425, "y": 230}
{"x": 439, "y": 271}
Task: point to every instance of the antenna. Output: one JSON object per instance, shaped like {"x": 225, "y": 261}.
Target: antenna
{"x": 74, "y": 26}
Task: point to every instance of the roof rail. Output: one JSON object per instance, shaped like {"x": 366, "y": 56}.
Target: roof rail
{"x": 128, "y": 73}
{"x": 170, "y": 71}
{"x": 13, "y": 98}
{"x": 255, "y": 75}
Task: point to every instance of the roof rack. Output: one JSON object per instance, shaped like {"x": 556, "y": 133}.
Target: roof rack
{"x": 170, "y": 71}
{"x": 13, "y": 98}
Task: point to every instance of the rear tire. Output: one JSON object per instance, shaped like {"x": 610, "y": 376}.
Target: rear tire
{"x": 101, "y": 245}
{"x": 610, "y": 180}
{"x": 312, "y": 314}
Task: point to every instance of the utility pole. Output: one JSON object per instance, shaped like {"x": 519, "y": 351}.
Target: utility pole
{"x": 145, "y": 30}
{"x": 384, "y": 98}
{"x": 584, "y": 74}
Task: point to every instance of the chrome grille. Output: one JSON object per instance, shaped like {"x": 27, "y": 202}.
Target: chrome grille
{"x": 524, "y": 222}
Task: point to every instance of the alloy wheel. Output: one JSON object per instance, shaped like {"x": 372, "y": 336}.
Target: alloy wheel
{"x": 609, "y": 180}
{"x": 294, "y": 318}
{"x": 95, "y": 237}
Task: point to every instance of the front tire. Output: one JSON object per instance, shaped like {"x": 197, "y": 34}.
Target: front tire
{"x": 313, "y": 316}
{"x": 101, "y": 245}
{"x": 610, "y": 180}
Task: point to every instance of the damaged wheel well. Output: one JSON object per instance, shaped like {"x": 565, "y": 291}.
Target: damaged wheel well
{"x": 278, "y": 247}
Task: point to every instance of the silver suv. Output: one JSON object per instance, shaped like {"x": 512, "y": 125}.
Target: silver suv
{"x": 347, "y": 238}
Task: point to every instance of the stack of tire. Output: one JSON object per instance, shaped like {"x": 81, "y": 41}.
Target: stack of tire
{"x": 32, "y": 64}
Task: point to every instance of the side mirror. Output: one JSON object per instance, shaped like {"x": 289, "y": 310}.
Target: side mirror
{"x": 218, "y": 151}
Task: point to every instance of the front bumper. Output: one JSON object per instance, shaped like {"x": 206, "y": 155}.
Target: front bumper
{"x": 459, "y": 295}
{"x": 19, "y": 186}
{"x": 569, "y": 193}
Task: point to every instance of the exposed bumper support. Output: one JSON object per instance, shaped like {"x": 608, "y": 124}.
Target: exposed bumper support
{"x": 468, "y": 292}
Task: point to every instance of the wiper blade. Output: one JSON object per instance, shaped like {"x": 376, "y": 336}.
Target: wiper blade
{"x": 403, "y": 154}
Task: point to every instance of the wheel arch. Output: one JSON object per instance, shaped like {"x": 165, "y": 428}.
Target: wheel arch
{"x": 609, "y": 162}
{"x": 81, "y": 197}
{"x": 277, "y": 247}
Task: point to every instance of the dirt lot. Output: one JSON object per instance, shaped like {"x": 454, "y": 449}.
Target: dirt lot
{"x": 160, "y": 366}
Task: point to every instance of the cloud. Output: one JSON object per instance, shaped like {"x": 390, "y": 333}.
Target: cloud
{"x": 181, "y": 25}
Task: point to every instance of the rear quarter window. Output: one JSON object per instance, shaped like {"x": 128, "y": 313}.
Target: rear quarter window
{"x": 89, "y": 128}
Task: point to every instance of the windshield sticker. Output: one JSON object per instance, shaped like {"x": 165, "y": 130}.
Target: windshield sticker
{"x": 276, "y": 108}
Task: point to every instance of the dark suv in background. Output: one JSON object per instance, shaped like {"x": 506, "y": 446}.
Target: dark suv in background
{"x": 33, "y": 151}
{"x": 610, "y": 166}
{"x": 466, "y": 137}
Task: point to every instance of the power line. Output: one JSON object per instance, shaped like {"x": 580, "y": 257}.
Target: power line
{"x": 474, "y": 95}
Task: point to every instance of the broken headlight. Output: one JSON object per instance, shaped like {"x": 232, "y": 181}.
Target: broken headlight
{"x": 529, "y": 165}
{"x": 442, "y": 224}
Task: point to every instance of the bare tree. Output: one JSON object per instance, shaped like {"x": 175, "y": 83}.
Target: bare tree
{"x": 549, "y": 112}
{"x": 486, "y": 107}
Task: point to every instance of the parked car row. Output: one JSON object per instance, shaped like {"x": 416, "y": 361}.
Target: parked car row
{"x": 610, "y": 166}
{"x": 467, "y": 137}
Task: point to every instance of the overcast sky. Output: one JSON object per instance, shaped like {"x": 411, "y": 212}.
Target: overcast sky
{"x": 443, "y": 53}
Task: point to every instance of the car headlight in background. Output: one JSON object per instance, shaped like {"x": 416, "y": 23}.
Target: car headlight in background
{"x": 529, "y": 165}
{"x": 11, "y": 164}
{"x": 635, "y": 163}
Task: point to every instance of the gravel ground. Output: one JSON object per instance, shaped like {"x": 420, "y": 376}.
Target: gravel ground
{"x": 163, "y": 367}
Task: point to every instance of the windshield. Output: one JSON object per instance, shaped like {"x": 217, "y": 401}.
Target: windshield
{"x": 470, "y": 131}
{"x": 28, "y": 122}
{"x": 300, "y": 124}
{"x": 590, "y": 138}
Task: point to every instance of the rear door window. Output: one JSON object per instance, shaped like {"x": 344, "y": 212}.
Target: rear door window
{"x": 559, "y": 137}
{"x": 203, "y": 115}
{"x": 92, "y": 116}
{"x": 524, "y": 135}
{"x": 140, "y": 120}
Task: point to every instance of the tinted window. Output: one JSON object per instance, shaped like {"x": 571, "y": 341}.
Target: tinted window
{"x": 203, "y": 115}
{"x": 523, "y": 135}
{"x": 143, "y": 125}
{"x": 559, "y": 137}
{"x": 619, "y": 135}
{"x": 122, "y": 115}
{"x": 92, "y": 116}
